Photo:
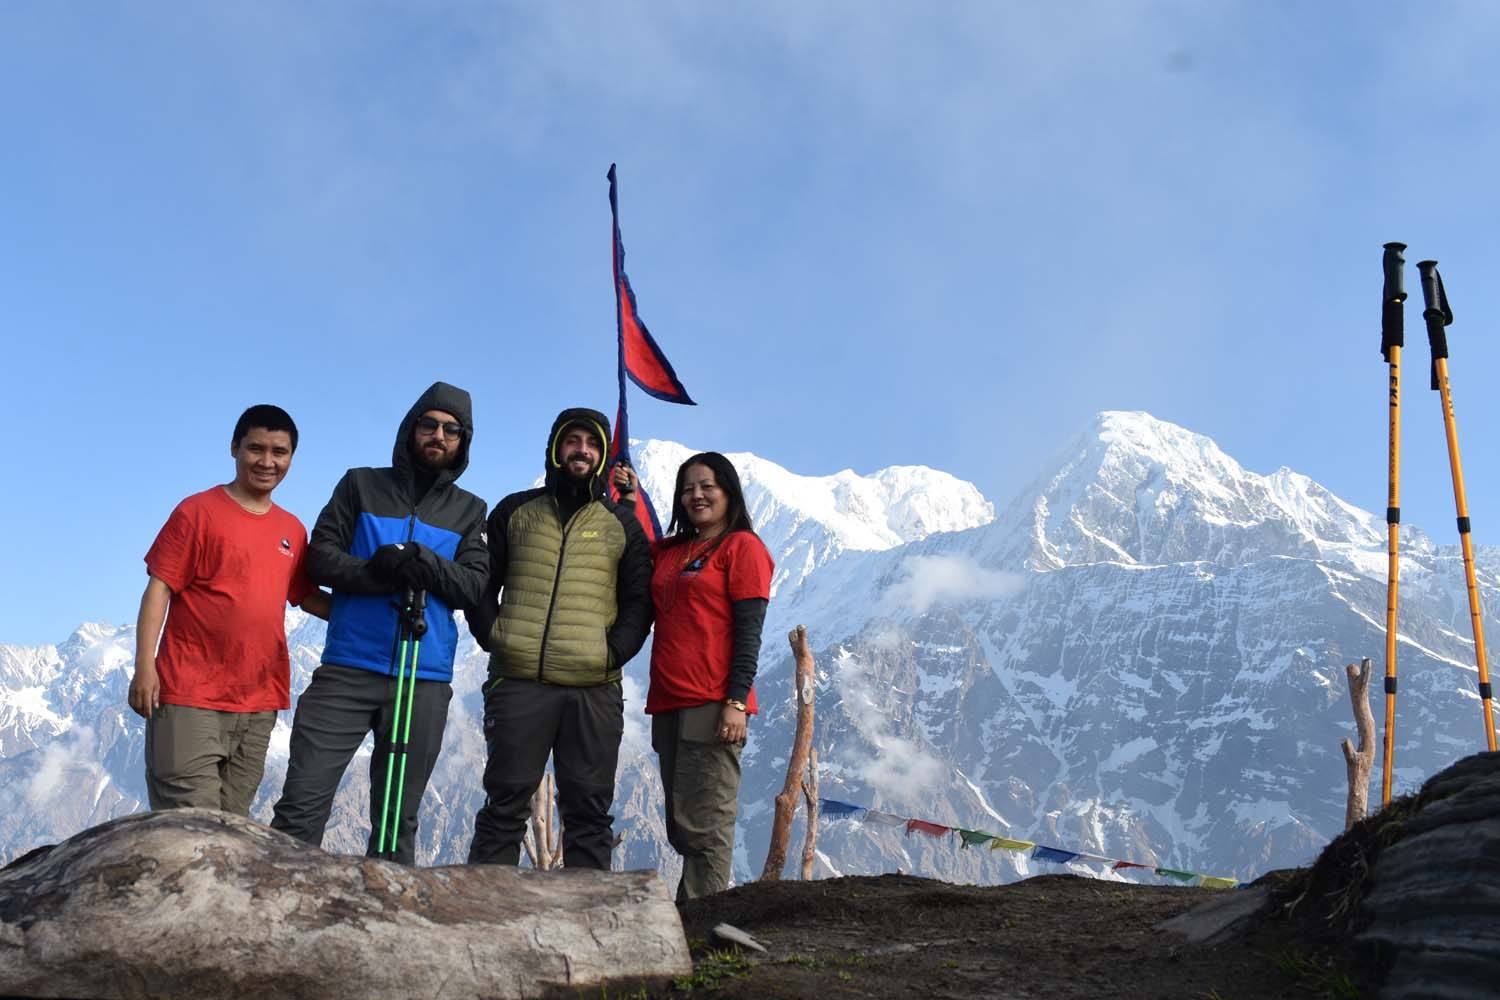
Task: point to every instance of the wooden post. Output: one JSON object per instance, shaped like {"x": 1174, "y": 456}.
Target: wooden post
{"x": 1359, "y": 761}
{"x": 796, "y": 766}
{"x": 810, "y": 796}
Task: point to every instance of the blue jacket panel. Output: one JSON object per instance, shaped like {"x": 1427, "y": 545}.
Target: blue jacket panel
{"x": 362, "y": 629}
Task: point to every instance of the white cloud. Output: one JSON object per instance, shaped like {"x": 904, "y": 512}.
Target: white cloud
{"x": 933, "y": 580}
{"x": 898, "y": 769}
{"x": 61, "y": 760}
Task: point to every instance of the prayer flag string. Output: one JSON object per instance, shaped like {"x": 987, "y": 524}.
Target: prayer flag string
{"x": 834, "y": 809}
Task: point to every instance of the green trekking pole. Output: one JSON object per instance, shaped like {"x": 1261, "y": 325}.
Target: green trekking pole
{"x": 413, "y": 625}
{"x": 418, "y": 629}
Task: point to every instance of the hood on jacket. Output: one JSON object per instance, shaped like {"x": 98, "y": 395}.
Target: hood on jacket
{"x": 449, "y": 399}
{"x": 594, "y": 421}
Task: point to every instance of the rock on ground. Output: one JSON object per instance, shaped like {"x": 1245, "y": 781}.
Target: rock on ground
{"x": 1429, "y": 919}
{"x": 199, "y": 903}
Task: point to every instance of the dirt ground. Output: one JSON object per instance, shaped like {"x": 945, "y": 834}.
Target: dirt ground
{"x": 1055, "y": 936}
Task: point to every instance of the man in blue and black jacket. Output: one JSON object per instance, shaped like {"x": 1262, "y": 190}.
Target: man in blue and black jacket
{"x": 383, "y": 532}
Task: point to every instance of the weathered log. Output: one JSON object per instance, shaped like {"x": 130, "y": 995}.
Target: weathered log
{"x": 810, "y": 796}
{"x": 796, "y": 766}
{"x": 199, "y": 903}
{"x": 1359, "y": 762}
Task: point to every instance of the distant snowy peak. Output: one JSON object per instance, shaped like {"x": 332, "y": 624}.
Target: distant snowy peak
{"x": 1138, "y": 490}
{"x": 807, "y": 520}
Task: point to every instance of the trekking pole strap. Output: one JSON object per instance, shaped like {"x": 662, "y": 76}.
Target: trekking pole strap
{"x": 1392, "y": 322}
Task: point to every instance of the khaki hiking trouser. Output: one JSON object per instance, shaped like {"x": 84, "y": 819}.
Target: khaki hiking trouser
{"x": 701, "y": 779}
{"x": 199, "y": 757}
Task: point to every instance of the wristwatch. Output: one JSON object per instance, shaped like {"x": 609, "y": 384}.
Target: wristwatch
{"x": 738, "y": 706}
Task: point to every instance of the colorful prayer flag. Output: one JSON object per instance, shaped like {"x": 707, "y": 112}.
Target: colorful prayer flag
{"x": 831, "y": 807}
{"x": 1054, "y": 855}
{"x": 1011, "y": 845}
{"x": 1086, "y": 856}
{"x": 1214, "y": 882}
{"x": 1176, "y": 875}
{"x": 972, "y": 837}
{"x": 883, "y": 818}
{"x": 931, "y": 829}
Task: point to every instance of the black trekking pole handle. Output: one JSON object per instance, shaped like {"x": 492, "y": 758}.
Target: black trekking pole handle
{"x": 1437, "y": 314}
{"x": 1392, "y": 323}
{"x": 417, "y": 612}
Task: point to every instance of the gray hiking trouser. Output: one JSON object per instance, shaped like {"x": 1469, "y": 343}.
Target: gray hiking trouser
{"x": 701, "y": 778}
{"x": 339, "y": 707}
{"x": 206, "y": 759}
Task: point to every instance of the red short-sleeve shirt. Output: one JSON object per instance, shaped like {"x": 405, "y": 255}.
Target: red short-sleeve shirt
{"x": 232, "y": 573}
{"x": 694, "y": 638}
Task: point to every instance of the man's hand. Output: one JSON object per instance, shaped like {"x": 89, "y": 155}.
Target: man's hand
{"x": 388, "y": 560}
{"x": 145, "y": 690}
{"x": 420, "y": 571}
{"x": 625, "y": 480}
{"x": 145, "y": 685}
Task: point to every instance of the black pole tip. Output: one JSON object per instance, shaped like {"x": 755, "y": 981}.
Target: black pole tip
{"x": 1398, "y": 247}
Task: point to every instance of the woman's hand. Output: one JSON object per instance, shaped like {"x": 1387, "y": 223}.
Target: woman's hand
{"x": 732, "y": 725}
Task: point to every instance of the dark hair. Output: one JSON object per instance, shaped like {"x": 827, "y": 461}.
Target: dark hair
{"x": 266, "y": 417}
{"x": 681, "y": 529}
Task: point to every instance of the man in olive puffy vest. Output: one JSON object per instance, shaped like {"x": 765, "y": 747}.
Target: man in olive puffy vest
{"x": 572, "y": 575}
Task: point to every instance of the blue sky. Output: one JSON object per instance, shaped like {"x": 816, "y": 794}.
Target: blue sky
{"x": 865, "y": 234}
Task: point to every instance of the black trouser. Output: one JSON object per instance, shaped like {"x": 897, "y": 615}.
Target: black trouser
{"x": 580, "y": 727}
{"x": 338, "y": 708}
{"x": 700, "y": 778}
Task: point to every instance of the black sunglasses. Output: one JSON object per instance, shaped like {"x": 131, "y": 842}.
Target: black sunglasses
{"x": 449, "y": 428}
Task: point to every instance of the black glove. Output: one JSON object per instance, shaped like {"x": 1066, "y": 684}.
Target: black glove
{"x": 420, "y": 571}
{"x": 387, "y": 561}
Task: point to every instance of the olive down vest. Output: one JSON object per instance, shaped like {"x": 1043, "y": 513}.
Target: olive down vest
{"x": 559, "y": 600}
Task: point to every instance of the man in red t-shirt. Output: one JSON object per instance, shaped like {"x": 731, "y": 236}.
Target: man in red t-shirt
{"x": 227, "y": 562}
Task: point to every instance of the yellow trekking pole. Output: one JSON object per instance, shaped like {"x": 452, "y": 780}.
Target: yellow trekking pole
{"x": 1392, "y": 338}
{"x": 1438, "y": 315}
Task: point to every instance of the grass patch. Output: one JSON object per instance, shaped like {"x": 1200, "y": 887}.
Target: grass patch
{"x": 714, "y": 966}
{"x": 1320, "y": 975}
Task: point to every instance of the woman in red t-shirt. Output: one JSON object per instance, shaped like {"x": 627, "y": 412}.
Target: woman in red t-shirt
{"x": 710, "y": 586}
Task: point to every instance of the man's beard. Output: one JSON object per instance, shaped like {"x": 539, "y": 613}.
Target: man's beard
{"x": 434, "y": 462}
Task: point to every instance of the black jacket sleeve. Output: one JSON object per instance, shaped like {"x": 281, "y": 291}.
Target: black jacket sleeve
{"x": 329, "y": 562}
{"x": 481, "y": 616}
{"x": 749, "y": 618}
{"x": 632, "y": 593}
{"x": 460, "y": 581}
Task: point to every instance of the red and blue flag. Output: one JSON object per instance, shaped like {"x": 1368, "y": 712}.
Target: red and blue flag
{"x": 640, "y": 358}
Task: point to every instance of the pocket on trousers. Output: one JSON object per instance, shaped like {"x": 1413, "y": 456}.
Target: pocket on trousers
{"x": 699, "y": 724}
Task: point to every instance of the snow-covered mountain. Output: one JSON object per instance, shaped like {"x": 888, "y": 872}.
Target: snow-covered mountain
{"x": 808, "y": 521}
{"x": 1142, "y": 657}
